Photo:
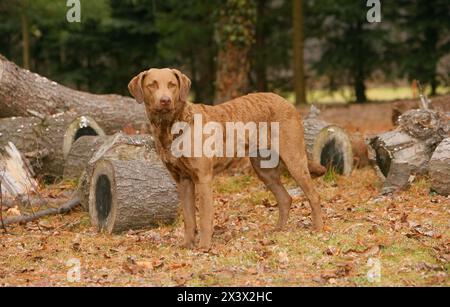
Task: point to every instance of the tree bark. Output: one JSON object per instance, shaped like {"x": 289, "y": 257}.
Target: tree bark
{"x": 23, "y": 93}
{"x": 440, "y": 168}
{"x": 236, "y": 31}
{"x": 299, "y": 61}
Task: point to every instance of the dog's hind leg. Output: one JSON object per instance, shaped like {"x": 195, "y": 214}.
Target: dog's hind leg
{"x": 271, "y": 178}
{"x": 293, "y": 154}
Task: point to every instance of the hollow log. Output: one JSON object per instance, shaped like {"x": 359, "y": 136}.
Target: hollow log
{"x": 117, "y": 147}
{"x": 131, "y": 194}
{"x": 16, "y": 176}
{"x": 327, "y": 145}
{"x": 402, "y": 154}
{"x": 45, "y": 141}
{"x": 58, "y": 134}
{"x": 81, "y": 152}
{"x": 439, "y": 169}
{"x": 23, "y": 93}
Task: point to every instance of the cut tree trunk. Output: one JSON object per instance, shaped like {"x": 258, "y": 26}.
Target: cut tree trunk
{"x": 440, "y": 168}
{"x": 46, "y": 142}
{"x": 16, "y": 176}
{"x": 120, "y": 147}
{"x": 23, "y": 93}
{"x": 129, "y": 186}
{"x": 405, "y": 152}
{"x": 131, "y": 194}
{"x": 327, "y": 145}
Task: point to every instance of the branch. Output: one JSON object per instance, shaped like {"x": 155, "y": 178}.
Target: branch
{"x": 23, "y": 219}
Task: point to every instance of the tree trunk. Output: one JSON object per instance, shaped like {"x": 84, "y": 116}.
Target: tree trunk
{"x": 260, "y": 63}
{"x": 23, "y": 93}
{"x": 128, "y": 187}
{"x": 359, "y": 77}
{"x": 25, "y": 36}
{"x": 406, "y": 151}
{"x": 440, "y": 168}
{"x": 46, "y": 142}
{"x": 298, "y": 44}
{"x": 360, "y": 88}
{"x": 236, "y": 30}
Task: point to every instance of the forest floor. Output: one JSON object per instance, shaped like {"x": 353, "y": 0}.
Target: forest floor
{"x": 403, "y": 241}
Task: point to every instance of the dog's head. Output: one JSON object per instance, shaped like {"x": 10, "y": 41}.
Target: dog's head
{"x": 162, "y": 90}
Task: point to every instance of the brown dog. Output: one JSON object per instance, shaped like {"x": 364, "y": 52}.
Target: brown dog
{"x": 165, "y": 93}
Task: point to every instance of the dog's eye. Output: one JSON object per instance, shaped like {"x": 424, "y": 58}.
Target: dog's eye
{"x": 153, "y": 85}
{"x": 171, "y": 85}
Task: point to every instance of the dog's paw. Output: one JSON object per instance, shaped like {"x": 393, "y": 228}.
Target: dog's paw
{"x": 204, "y": 246}
{"x": 279, "y": 229}
{"x": 189, "y": 244}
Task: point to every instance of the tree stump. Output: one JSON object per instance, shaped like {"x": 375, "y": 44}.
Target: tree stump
{"x": 327, "y": 145}
{"x": 129, "y": 186}
{"x": 439, "y": 169}
{"x": 46, "y": 141}
{"x": 406, "y": 151}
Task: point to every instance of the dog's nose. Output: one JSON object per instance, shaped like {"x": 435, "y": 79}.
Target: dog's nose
{"x": 165, "y": 100}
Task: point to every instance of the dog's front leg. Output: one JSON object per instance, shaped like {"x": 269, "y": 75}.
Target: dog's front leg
{"x": 186, "y": 191}
{"x": 205, "y": 198}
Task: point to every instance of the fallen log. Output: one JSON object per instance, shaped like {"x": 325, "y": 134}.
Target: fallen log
{"x": 402, "y": 154}
{"x": 16, "y": 176}
{"x": 47, "y": 141}
{"x": 440, "y": 168}
{"x": 115, "y": 146}
{"x": 127, "y": 186}
{"x": 131, "y": 194}
{"x": 327, "y": 145}
{"x": 23, "y": 93}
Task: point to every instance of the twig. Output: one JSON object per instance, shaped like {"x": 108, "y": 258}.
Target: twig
{"x": 423, "y": 97}
{"x": 23, "y": 219}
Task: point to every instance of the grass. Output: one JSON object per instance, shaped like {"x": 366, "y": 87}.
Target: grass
{"x": 408, "y": 235}
{"x": 345, "y": 95}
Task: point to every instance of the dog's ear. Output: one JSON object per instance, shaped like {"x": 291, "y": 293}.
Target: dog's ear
{"x": 135, "y": 87}
{"x": 185, "y": 84}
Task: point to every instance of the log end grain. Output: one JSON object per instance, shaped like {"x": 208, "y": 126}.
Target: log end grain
{"x": 333, "y": 149}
